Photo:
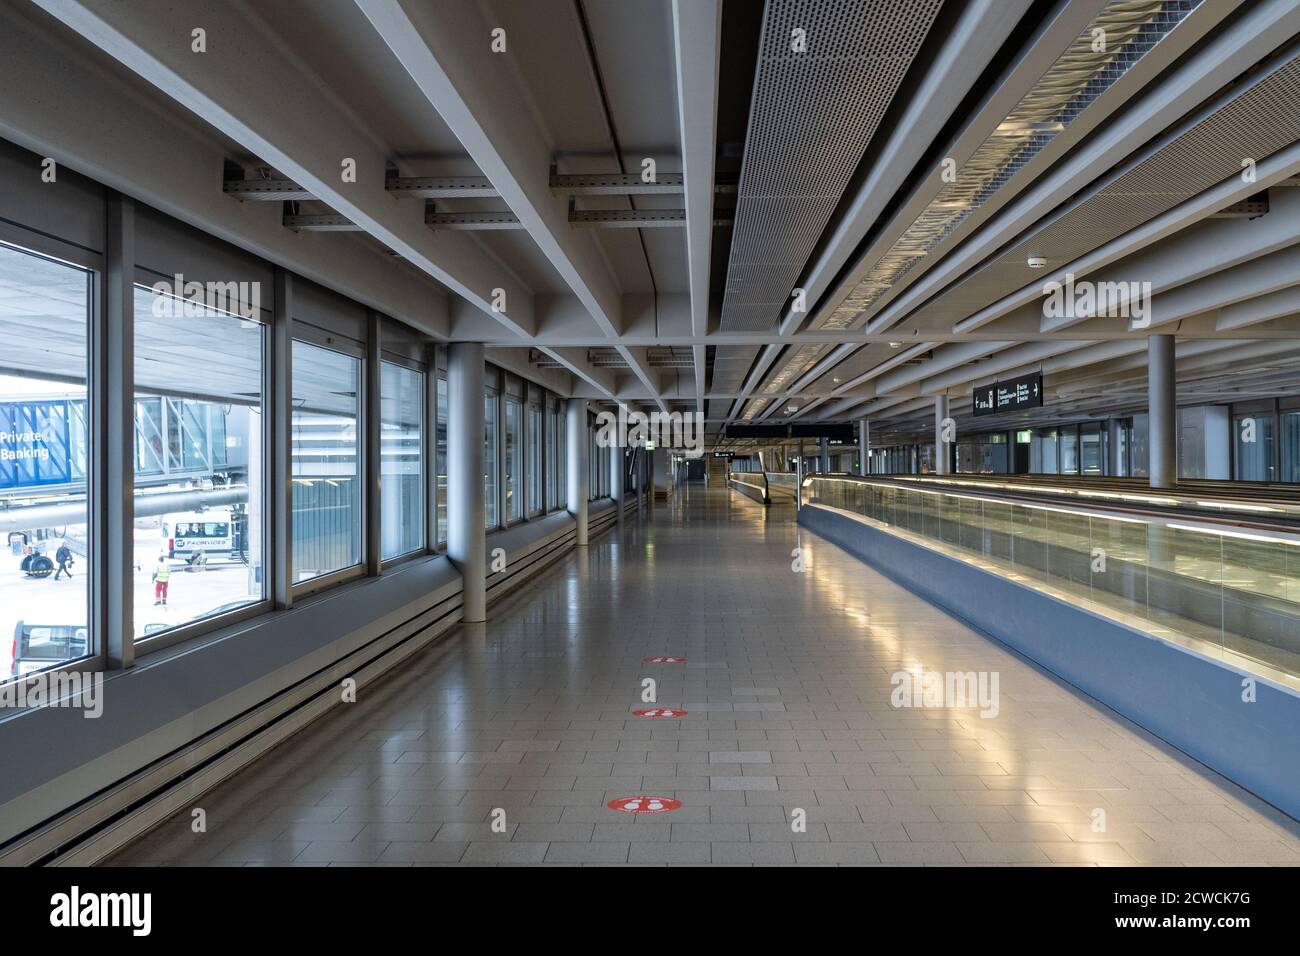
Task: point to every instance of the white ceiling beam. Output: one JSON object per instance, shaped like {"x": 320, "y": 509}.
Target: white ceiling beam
{"x": 973, "y": 42}
{"x": 575, "y": 360}
{"x": 1199, "y": 252}
{"x": 252, "y": 89}
{"x": 697, "y": 38}
{"x": 58, "y": 104}
{"x": 639, "y": 362}
{"x": 1222, "y": 58}
{"x": 446, "y": 49}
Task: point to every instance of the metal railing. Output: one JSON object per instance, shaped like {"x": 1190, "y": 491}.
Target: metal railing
{"x": 781, "y": 485}
{"x": 756, "y": 480}
{"x": 1226, "y": 590}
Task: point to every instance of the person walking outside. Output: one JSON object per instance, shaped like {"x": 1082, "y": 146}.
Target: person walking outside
{"x": 161, "y": 575}
{"x": 64, "y": 558}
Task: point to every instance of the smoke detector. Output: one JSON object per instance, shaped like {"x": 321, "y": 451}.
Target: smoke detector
{"x": 1037, "y": 262}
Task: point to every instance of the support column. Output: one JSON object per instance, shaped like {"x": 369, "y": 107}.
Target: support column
{"x": 825, "y": 465}
{"x": 576, "y": 433}
{"x": 1162, "y": 405}
{"x": 466, "y": 501}
{"x": 864, "y": 447}
{"x": 942, "y": 448}
{"x": 1113, "y": 459}
{"x": 617, "y": 466}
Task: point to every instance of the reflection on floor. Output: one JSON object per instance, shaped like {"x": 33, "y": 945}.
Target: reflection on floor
{"x": 787, "y": 683}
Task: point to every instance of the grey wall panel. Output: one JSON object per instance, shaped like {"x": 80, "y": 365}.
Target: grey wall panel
{"x": 329, "y": 311}
{"x": 55, "y": 757}
{"x": 70, "y": 209}
{"x": 167, "y": 247}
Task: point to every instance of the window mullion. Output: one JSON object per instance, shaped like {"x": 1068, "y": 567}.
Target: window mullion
{"x": 370, "y": 446}
{"x": 278, "y": 377}
{"x": 112, "y": 394}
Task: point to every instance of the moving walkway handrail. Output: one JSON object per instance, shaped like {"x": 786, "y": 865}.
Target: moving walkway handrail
{"x": 733, "y": 476}
{"x": 1154, "y": 504}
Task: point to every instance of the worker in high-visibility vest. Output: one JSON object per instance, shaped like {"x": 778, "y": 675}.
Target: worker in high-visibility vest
{"x": 161, "y": 575}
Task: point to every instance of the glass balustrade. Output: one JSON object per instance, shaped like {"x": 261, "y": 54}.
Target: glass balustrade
{"x": 1229, "y": 591}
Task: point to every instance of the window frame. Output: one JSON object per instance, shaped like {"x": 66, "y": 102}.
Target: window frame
{"x": 424, "y": 547}
{"x": 507, "y": 519}
{"x": 94, "y": 267}
{"x": 313, "y": 336}
{"x": 148, "y": 644}
{"x": 492, "y": 393}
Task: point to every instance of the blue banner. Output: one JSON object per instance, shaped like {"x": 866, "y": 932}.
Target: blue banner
{"x": 35, "y": 444}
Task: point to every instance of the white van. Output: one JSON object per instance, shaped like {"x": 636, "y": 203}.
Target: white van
{"x": 193, "y": 531}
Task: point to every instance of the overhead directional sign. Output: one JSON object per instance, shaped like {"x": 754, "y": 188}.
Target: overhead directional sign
{"x": 1024, "y": 391}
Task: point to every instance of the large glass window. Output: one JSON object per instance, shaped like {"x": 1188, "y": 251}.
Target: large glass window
{"x": 1070, "y": 450}
{"x": 441, "y": 460}
{"x": 562, "y": 458}
{"x": 1290, "y": 446}
{"x": 1252, "y": 435}
{"x": 514, "y": 459}
{"x": 198, "y": 533}
{"x": 552, "y": 459}
{"x": 1090, "y": 449}
{"x": 44, "y": 455}
{"x": 326, "y": 466}
{"x": 491, "y": 433}
{"x": 534, "y": 469}
{"x": 401, "y": 506}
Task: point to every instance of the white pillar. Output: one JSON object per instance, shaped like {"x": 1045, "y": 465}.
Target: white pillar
{"x": 576, "y": 434}
{"x": 466, "y": 502}
{"x": 864, "y": 447}
{"x": 1114, "y": 427}
{"x": 942, "y": 448}
{"x": 1162, "y": 423}
{"x": 825, "y": 465}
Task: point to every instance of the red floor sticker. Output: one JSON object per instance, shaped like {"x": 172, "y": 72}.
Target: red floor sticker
{"x": 659, "y": 712}
{"x": 644, "y": 804}
{"x": 664, "y": 660}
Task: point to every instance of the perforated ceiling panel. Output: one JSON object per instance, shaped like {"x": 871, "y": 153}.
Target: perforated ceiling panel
{"x": 827, "y": 72}
{"x": 1074, "y": 81}
{"x": 1256, "y": 123}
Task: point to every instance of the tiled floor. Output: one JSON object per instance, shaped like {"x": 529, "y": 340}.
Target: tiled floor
{"x": 788, "y": 687}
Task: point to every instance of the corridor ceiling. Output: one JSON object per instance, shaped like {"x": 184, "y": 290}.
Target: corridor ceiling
{"x": 790, "y": 210}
